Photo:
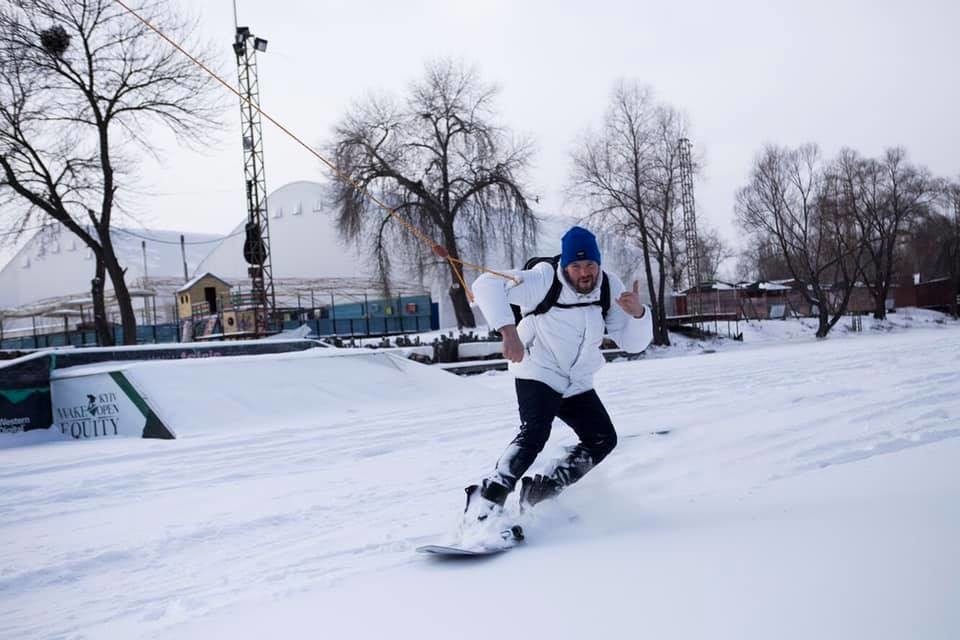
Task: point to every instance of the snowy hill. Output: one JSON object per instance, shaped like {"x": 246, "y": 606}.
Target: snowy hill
{"x": 806, "y": 489}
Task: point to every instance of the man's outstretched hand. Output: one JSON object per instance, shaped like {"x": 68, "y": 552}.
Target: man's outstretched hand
{"x": 629, "y": 301}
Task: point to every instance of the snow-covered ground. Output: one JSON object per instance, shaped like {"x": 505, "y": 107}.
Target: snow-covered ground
{"x": 806, "y": 489}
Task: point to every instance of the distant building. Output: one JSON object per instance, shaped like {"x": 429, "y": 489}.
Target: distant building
{"x": 938, "y": 294}
{"x": 774, "y": 299}
{"x": 55, "y": 264}
{"x": 53, "y": 271}
{"x": 205, "y": 290}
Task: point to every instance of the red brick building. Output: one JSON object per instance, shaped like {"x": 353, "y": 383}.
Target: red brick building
{"x": 763, "y": 300}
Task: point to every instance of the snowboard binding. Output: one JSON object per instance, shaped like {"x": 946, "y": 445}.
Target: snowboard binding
{"x": 537, "y": 489}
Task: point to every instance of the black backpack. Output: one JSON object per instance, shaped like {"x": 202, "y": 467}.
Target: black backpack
{"x": 550, "y": 300}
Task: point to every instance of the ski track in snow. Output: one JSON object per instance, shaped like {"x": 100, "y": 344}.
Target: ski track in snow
{"x": 123, "y": 538}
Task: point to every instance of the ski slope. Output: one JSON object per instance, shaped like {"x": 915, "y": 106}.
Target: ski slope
{"x": 807, "y": 489}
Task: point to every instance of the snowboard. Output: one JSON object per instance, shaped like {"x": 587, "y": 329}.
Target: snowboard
{"x": 510, "y": 538}
{"x": 658, "y": 432}
{"x": 442, "y": 550}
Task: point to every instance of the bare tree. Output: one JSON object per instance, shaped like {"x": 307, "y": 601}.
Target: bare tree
{"x": 714, "y": 251}
{"x": 440, "y": 161}
{"x": 81, "y": 84}
{"x": 790, "y": 201}
{"x": 761, "y": 260}
{"x": 628, "y": 174}
{"x": 950, "y": 252}
{"x": 933, "y": 248}
{"x": 952, "y": 245}
{"x": 886, "y": 197}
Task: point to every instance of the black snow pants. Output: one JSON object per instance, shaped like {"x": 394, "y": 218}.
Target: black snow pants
{"x": 539, "y": 405}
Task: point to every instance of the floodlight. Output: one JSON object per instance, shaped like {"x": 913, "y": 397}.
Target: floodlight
{"x": 260, "y": 44}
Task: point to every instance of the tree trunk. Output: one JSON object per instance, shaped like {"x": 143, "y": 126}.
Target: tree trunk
{"x": 661, "y": 332}
{"x": 880, "y": 303}
{"x": 879, "y": 293}
{"x": 955, "y": 295}
{"x": 104, "y": 335}
{"x": 823, "y": 315}
{"x": 128, "y": 320}
{"x": 656, "y": 304}
{"x": 825, "y": 309}
{"x": 461, "y": 304}
{"x": 954, "y": 262}
{"x": 461, "y": 307}
{"x": 823, "y": 318}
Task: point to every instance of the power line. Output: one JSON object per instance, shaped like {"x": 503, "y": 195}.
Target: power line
{"x": 19, "y": 231}
{"x": 158, "y": 240}
{"x": 130, "y": 233}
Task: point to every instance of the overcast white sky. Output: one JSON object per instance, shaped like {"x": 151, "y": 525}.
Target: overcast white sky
{"x": 839, "y": 73}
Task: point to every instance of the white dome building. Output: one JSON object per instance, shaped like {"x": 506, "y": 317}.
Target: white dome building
{"x": 305, "y": 247}
{"x": 54, "y": 267}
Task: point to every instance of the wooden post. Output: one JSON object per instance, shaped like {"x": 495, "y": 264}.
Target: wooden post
{"x": 333, "y": 315}
{"x": 366, "y": 312}
{"x": 183, "y": 254}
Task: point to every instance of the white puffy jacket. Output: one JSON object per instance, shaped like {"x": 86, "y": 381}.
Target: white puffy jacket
{"x": 562, "y": 345}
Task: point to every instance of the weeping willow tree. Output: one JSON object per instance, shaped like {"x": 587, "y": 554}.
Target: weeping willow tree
{"x": 444, "y": 166}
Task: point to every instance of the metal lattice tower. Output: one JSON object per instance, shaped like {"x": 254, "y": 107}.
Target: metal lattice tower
{"x": 691, "y": 243}
{"x": 256, "y": 248}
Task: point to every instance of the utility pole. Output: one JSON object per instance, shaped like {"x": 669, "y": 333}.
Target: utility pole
{"x": 146, "y": 279}
{"x": 143, "y": 247}
{"x": 183, "y": 256}
{"x": 692, "y": 244}
{"x": 256, "y": 247}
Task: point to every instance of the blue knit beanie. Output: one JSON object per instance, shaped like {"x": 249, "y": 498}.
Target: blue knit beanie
{"x": 578, "y": 244}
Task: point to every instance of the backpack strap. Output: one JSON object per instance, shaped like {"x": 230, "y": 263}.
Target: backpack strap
{"x": 549, "y": 300}
{"x": 553, "y": 295}
{"x": 605, "y": 295}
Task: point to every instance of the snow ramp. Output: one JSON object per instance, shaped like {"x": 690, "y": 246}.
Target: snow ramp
{"x": 180, "y": 398}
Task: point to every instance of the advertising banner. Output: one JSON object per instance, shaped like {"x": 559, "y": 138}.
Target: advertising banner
{"x": 102, "y": 405}
{"x": 24, "y": 409}
{"x": 25, "y": 384}
{"x": 25, "y": 395}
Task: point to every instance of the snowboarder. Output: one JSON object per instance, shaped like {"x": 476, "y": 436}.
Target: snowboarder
{"x": 554, "y": 351}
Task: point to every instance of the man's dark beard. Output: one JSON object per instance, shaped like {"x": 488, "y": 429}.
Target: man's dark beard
{"x": 581, "y": 288}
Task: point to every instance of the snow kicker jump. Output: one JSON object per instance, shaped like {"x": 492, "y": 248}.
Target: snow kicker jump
{"x": 178, "y": 398}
